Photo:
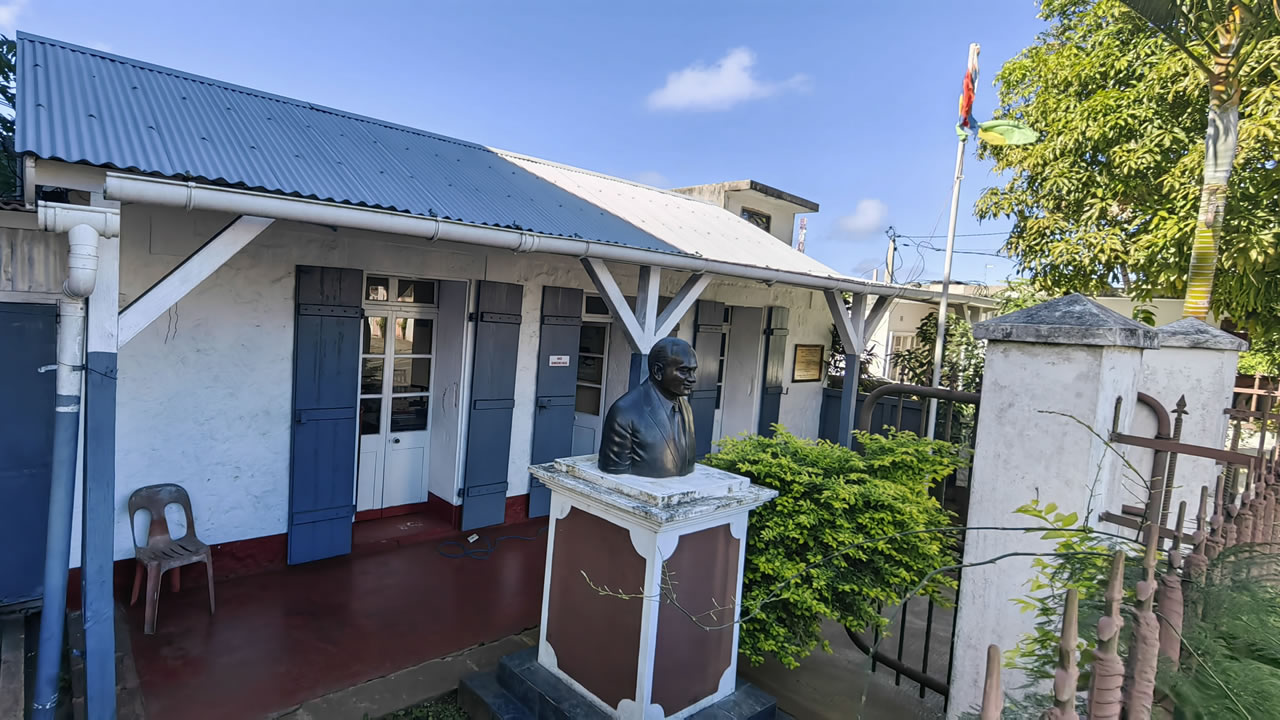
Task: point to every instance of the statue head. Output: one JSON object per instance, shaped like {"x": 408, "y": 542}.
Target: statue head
{"x": 673, "y": 367}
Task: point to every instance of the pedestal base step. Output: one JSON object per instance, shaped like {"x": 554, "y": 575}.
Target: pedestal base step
{"x": 521, "y": 689}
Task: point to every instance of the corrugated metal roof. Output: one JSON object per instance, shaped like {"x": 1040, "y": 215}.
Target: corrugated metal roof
{"x": 689, "y": 225}
{"x": 81, "y": 105}
{"x": 85, "y": 106}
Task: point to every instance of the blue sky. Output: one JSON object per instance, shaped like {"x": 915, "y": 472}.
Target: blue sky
{"x": 850, "y": 104}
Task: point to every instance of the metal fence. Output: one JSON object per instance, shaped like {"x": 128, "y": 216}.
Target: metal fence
{"x": 1245, "y": 499}
{"x": 923, "y": 647}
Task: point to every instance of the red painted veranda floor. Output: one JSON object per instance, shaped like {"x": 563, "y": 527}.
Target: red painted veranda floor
{"x": 284, "y": 637}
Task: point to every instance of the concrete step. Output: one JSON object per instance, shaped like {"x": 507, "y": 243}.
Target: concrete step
{"x": 483, "y": 698}
{"x": 13, "y": 658}
{"x": 544, "y": 694}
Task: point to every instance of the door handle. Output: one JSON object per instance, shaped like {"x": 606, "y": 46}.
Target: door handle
{"x": 395, "y": 440}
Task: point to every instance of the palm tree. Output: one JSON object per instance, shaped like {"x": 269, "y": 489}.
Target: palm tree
{"x": 1218, "y": 36}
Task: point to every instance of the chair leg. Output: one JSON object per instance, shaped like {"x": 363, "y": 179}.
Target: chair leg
{"x": 137, "y": 583}
{"x": 208, "y": 567}
{"x": 153, "y": 598}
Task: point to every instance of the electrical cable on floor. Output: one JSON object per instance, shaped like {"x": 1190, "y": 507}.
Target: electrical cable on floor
{"x": 482, "y": 553}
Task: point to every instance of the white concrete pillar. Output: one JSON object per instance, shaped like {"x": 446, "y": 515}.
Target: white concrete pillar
{"x": 1070, "y": 356}
{"x": 1196, "y": 361}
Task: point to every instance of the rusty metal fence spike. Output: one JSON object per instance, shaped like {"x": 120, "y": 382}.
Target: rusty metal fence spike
{"x": 1066, "y": 676}
{"x": 1170, "y": 600}
{"x": 1106, "y": 700}
{"x": 992, "y": 695}
{"x": 1145, "y": 644}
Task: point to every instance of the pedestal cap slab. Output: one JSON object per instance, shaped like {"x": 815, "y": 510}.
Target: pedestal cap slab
{"x": 1070, "y": 320}
{"x": 1198, "y": 334}
{"x": 654, "y": 502}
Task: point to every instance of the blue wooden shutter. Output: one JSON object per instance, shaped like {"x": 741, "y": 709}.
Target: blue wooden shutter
{"x": 557, "y": 386}
{"x": 326, "y": 377}
{"x": 493, "y": 391}
{"x": 28, "y": 336}
{"x": 708, "y": 334}
{"x": 775, "y": 356}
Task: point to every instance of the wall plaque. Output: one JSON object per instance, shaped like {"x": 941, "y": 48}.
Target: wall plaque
{"x": 808, "y": 363}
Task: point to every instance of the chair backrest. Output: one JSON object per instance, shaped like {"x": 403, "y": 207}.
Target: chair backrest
{"x": 154, "y": 499}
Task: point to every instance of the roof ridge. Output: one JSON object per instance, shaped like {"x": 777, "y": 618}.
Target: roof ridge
{"x": 584, "y": 171}
{"x": 206, "y": 80}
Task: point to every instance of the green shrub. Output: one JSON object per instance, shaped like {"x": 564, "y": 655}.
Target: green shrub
{"x": 830, "y": 498}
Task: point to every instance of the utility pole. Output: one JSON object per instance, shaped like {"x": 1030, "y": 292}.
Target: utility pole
{"x": 888, "y": 277}
{"x": 966, "y": 114}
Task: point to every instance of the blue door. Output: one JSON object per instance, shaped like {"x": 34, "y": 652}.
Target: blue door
{"x": 28, "y": 351}
{"x": 775, "y": 356}
{"x": 708, "y": 335}
{"x": 325, "y": 384}
{"x": 493, "y": 392}
{"x": 557, "y": 386}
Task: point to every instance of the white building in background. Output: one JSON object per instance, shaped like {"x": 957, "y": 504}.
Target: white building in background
{"x": 768, "y": 208}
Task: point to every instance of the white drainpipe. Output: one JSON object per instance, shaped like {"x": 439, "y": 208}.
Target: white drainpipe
{"x": 84, "y": 227}
{"x": 193, "y": 196}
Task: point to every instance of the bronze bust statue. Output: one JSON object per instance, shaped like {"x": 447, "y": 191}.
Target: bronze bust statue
{"x": 649, "y": 430}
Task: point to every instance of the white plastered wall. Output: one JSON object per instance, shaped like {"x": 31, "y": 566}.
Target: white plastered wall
{"x": 205, "y": 392}
{"x": 1069, "y": 466}
{"x": 1206, "y": 377}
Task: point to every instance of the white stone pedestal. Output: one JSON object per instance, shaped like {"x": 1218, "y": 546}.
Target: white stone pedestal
{"x": 620, "y": 549}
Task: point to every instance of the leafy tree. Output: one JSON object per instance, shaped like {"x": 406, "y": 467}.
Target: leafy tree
{"x": 800, "y": 567}
{"x": 1109, "y": 197}
{"x": 962, "y": 356}
{"x": 1215, "y": 35}
{"x": 1021, "y": 294}
{"x": 10, "y": 163}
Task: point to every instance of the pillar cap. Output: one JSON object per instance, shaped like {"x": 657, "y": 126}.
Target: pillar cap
{"x": 1198, "y": 334}
{"x": 1070, "y": 320}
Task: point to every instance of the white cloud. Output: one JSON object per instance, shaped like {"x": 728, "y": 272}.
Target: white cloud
{"x": 731, "y": 80}
{"x": 868, "y": 216}
{"x": 9, "y": 13}
{"x": 651, "y": 177}
{"x": 104, "y": 47}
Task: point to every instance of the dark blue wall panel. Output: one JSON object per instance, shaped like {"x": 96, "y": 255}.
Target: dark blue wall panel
{"x": 557, "y": 383}
{"x": 325, "y": 386}
{"x": 493, "y": 389}
{"x": 28, "y": 342}
{"x": 775, "y": 357}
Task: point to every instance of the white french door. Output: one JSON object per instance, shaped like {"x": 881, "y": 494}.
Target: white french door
{"x": 588, "y": 416}
{"x": 395, "y": 398}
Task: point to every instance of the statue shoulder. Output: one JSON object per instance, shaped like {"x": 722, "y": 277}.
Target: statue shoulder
{"x": 625, "y": 407}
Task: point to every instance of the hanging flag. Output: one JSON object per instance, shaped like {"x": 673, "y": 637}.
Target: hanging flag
{"x": 1006, "y": 132}
{"x": 800, "y": 242}
{"x": 967, "y": 124}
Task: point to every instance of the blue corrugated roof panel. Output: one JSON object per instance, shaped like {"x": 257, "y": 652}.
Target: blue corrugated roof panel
{"x": 85, "y": 106}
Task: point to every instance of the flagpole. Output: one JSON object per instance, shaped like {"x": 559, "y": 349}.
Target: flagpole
{"x": 940, "y": 340}
{"x": 946, "y": 285}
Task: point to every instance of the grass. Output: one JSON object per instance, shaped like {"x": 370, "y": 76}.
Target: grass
{"x": 442, "y": 708}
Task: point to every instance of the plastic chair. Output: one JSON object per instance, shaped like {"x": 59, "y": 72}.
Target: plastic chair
{"x": 162, "y": 551}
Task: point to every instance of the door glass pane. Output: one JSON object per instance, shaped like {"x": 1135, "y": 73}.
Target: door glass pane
{"x": 411, "y": 375}
{"x": 375, "y": 335}
{"x": 419, "y": 292}
{"x": 409, "y": 413}
{"x": 413, "y": 336}
{"x": 591, "y": 339}
{"x": 370, "y": 415}
{"x": 371, "y": 376}
{"x": 590, "y": 369}
{"x": 375, "y": 288}
{"x": 587, "y": 400}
